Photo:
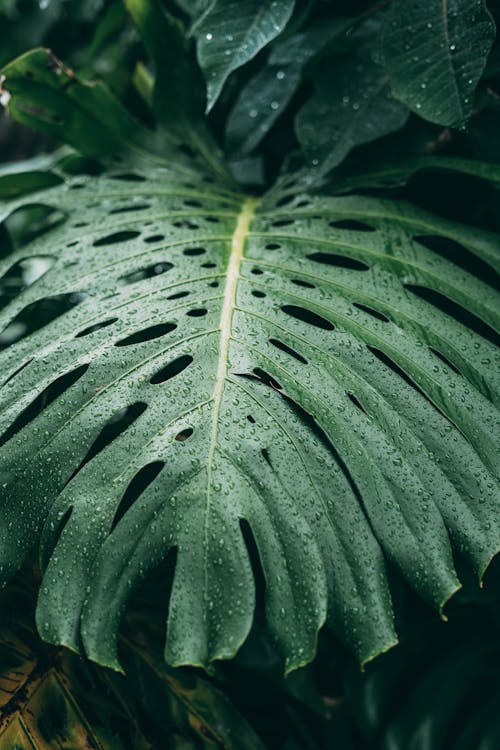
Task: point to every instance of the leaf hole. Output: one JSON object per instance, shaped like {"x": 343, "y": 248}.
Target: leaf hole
{"x": 178, "y": 295}
{"x": 23, "y": 274}
{"x": 266, "y": 456}
{"x": 388, "y": 362}
{"x": 256, "y": 565}
{"x": 145, "y": 273}
{"x": 355, "y": 401}
{"x": 129, "y": 177}
{"x": 302, "y": 283}
{"x": 288, "y": 349}
{"x": 61, "y": 525}
{"x": 115, "y": 237}
{"x": 273, "y": 246}
{"x": 352, "y": 225}
{"x": 258, "y": 293}
{"x": 308, "y": 316}
{"x": 285, "y": 200}
{"x": 95, "y": 327}
{"x": 282, "y": 222}
{"x": 38, "y": 314}
{"x": 185, "y": 224}
{"x": 193, "y": 251}
{"x": 198, "y": 312}
{"x": 172, "y": 369}
{"x": 16, "y": 372}
{"x": 43, "y": 400}
{"x": 266, "y": 378}
{"x": 147, "y": 334}
{"x": 154, "y": 238}
{"x": 372, "y": 312}
{"x": 310, "y": 422}
{"x": 126, "y": 209}
{"x": 340, "y": 261}
{"x": 137, "y": 486}
{"x": 445, "y": 360}
{"x": 184, "y": 434}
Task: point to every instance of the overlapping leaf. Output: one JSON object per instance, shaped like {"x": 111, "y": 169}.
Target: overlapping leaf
{"x": 352, "y": 105}
{"x": 435, "y": 52}
{"x": 191, "y": 360}
{"x": 51, "y": 698}
{"x": 230, "y": 34}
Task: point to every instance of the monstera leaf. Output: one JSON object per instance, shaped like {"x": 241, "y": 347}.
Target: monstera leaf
{"x": 188, "y": 369}
{"x": 292, "y": 388}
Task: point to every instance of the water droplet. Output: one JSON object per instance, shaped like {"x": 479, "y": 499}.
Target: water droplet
{"x": 209, "y": 37}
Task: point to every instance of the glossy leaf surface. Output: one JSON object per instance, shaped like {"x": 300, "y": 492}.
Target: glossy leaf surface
{"x": 435, "y": 52}
{"x": 185, "y": 358}
{"x": 352, "y": 105}
{"x": 231, "y": 33}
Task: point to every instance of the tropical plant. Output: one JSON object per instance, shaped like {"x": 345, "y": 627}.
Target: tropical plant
{"x": 249, "y": 378}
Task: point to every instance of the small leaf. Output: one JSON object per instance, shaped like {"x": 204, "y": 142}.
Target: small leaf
{"x": 231, "y": 33}
{"x": 434, "y": 53}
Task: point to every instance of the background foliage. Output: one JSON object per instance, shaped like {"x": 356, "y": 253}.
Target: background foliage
{"x": 394, "y": 100}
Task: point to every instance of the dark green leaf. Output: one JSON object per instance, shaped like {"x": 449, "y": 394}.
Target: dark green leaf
{"x": 352, "y": 105}
{"x": 47, "y": 95}
{"x": 176, "y": 96}
{"x": 264, "y": 98}
{"x": 434, "y": 53}
{"x": 313, "y": 368}
{"x": 387, "y": 173}
{"x": 231, "y": 33}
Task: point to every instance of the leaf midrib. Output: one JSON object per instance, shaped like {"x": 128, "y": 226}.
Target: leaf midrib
{"x": 238, "y": 240}
{"x": 229, "y": 299}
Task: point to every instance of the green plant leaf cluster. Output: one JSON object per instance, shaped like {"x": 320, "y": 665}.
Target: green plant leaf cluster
{"x": 249, "y": 374}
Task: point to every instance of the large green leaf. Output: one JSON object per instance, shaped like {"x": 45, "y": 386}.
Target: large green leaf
{"x": 435, "y": 52}
{"x": 189, "y": 358}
